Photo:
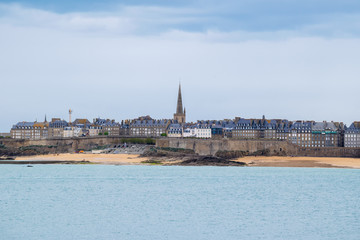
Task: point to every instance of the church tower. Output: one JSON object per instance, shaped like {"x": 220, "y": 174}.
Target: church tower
{"x": 180, "y": 114}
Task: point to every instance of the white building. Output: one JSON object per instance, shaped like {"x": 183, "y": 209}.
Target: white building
{"x": 70, "y": 132}
{"x": 189, "y": 132}
{"x": 203, "y": 131}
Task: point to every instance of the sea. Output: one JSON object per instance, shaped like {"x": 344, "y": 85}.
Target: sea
{"x": 174, "y": 202}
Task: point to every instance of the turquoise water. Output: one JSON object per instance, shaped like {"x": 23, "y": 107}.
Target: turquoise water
{"x": 157, "y": 202}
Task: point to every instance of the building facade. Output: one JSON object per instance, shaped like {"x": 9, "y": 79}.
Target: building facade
{"x": 175, "y": 130}
{"x": 30, "y": 130}
{"x": 352, "y": 136}
{"x": 56, "y": 128}
{"x": 148, "y": 127}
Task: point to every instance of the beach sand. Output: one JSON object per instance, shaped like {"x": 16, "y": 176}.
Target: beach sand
{"x": 260, "y": 161}
{"x": 263, "y": 161}
{"x": 121, "y": 159}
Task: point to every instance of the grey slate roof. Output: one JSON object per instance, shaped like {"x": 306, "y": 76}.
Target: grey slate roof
{"x": 22, "y": 125}
{"x": 354, "y": 128}
{"x": 323, "y": 126}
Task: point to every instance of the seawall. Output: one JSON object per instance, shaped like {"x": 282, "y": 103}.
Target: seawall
{"x": 64, "y": 145}
{"x": 273, "y": 147}
{"x": 200, "y": 146}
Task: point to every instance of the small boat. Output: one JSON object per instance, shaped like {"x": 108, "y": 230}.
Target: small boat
{"x": 29, "y": 166}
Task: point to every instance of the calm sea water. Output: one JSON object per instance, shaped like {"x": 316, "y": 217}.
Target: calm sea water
{"x": 157, "y": 202}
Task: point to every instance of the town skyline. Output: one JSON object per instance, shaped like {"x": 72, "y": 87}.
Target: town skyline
{"x": 308, "y": 134}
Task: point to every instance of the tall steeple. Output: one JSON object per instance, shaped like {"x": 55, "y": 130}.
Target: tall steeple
{"x": 179, "y": 108}
{"x": 180, "y": 115}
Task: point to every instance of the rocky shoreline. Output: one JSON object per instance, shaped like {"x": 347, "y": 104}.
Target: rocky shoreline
{"x": 185, "y": 157}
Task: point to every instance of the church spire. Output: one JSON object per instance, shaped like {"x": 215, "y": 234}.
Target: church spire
{"x": 179, "y": 108}
{"x": 180, "y": 115}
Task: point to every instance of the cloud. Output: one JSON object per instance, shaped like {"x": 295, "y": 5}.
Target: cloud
{"x": 237, "y": 20}
{"x": 19, "y": 16}
{"x": 102, "y": 64}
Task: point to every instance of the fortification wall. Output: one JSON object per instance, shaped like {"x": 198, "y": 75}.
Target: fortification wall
{"x": 64, "y": 144}
{"x": 210, "y": 147}
{"x": 200, "y": 146}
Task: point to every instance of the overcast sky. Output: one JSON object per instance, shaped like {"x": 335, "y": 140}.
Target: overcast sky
{"x": 123, "y": 59}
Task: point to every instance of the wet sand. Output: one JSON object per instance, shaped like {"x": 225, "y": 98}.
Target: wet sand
{"x": 260, "y": 161}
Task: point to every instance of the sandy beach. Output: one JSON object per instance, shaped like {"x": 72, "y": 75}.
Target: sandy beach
{"x": 263, "y": 161}
{"x": 260, "y": 161}
{"x": 120, "y": 159}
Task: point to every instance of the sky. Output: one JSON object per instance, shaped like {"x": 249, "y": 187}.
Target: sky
{"x": 295, "y": 60}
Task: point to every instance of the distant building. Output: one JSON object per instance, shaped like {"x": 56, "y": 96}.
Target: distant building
{"x": 352, "y": 136}
{"x": 203, "y": 130}
{"x": 175, "y": 130}
{"x": 68, "y": 132}
{"x": 301, "y": 133}
{"x": 246, "y": 129}
{"x": 125, "y": 128}
{"x": 30, "y": 130}
{"x": 324, "y": 134}
{"x": 111, "y": 128}
{"x": 148, "y": 127}
{"x": 95, "y": 130}
{"x": 104, "y": 127}
{"x": 56, "y": 128}
{"x": 189, "y": 131}
{"x": 5, "y": 135}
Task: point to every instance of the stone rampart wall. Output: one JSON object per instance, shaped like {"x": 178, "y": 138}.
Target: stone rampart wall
{"x": 200, "y": 146}
{"x": 210, "y": 147}
{"x": 65, "y": 144}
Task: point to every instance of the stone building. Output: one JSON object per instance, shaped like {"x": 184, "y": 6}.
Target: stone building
{"x": 148, "y": 127}
{"x": 300, "y": 133}
{"x": 175, "y": 130}
{"x": 104, "y": 127}
{"x": 246, "y": 129}
{"x": 30, "y": 130}
{"x": 56, "y": 128}
{"x": 324, "y": 134}
{"x": 352, "y": 135}
{"x": 125, "y": 128}
{"x": 203, "y": 130}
